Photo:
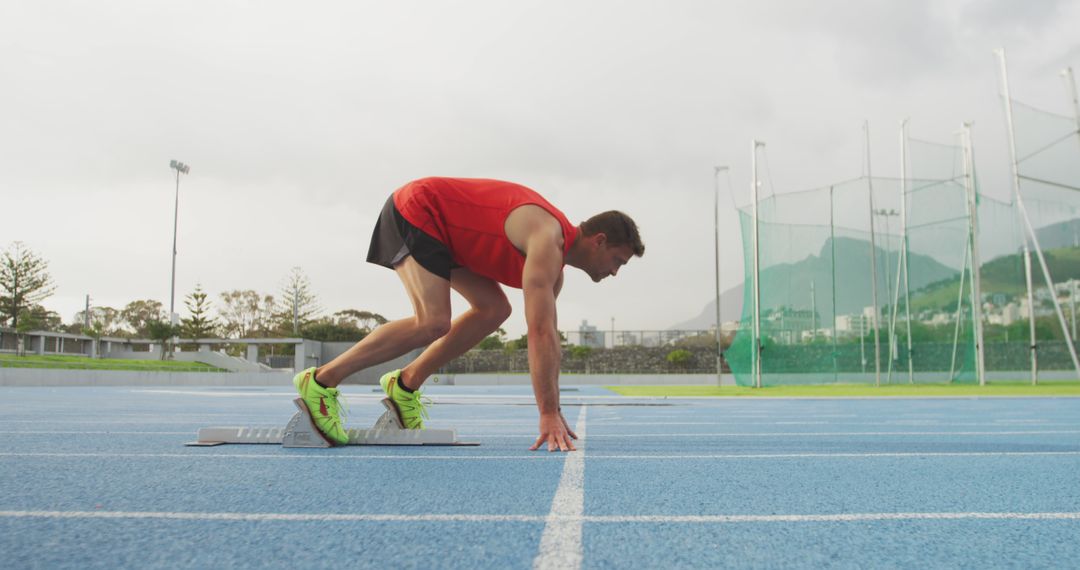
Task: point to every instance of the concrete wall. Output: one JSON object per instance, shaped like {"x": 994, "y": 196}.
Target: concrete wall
{"x": 331, "y": 350}
{"x": 59, "y": 377}
{"x": 230, "y": 363}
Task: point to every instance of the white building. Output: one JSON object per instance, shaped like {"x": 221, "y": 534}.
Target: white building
{"x": 590, "y": 335}
{"x": 852, "y": 325}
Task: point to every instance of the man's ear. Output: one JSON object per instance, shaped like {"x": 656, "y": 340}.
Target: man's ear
{"x": 601, "y": 239}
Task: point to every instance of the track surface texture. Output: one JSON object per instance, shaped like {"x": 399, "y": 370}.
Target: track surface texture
{"x": 100, "y": 478}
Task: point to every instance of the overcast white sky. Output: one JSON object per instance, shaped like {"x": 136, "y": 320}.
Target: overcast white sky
{"x": 298, "y": 119}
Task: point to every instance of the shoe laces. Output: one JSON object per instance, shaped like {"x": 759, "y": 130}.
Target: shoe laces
{"x": 338, "y": 399}
{"x": 418, "y": 402}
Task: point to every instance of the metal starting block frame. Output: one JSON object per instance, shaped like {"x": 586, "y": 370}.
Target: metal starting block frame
{"x": 301, "y": 432}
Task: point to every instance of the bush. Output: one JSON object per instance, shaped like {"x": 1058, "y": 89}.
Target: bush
{"x": 680, "y": 357}
{"x": 580, "y": 352}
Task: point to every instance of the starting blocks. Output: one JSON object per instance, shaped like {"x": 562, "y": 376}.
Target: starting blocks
{"x": 301, "y": 432}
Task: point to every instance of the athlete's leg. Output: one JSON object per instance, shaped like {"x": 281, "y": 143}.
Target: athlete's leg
{"x": 430, "y": 296}
{"x": 489, "y": 309}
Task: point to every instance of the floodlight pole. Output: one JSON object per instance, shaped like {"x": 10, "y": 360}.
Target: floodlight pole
{"x": 180, "y": 168}
{"x": 873, "y": 260}
{"x": 716, "y": 242}
{"x": 888, "y": 283}
{"x": 904, "y": 251}
{"x": 973, "y": 239}
{"x": 1000, "y": 52}
{"x": 757, "y": 268}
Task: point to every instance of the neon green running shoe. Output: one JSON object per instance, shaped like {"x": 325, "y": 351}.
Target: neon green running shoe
{"x": 323, "y": 405}
{"x": 411, "y": 408}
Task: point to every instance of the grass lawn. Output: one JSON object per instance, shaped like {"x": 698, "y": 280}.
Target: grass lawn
{"x": 86, "y": 363}
{"x": 859, "y": 390}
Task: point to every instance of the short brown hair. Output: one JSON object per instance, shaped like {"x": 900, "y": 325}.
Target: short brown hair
{"x": 619, "y": 228}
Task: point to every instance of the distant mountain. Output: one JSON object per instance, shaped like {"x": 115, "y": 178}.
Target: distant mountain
{"x": 789, "y": 284}
{"x": 791, "y": 281}
{"x": 1062, "y": 234}
{"x": 731, "y": 302}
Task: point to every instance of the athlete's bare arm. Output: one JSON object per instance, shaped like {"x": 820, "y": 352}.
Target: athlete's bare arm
{"x": 539, "y": 236}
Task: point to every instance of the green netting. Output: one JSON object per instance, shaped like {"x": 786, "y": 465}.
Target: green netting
{"x": 819, "y": 274}
{"x": 818, "y": 277}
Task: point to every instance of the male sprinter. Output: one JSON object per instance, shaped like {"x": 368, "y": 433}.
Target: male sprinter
{"x": 470, "y": 235}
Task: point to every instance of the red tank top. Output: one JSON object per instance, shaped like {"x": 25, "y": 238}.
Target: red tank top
{"x": 468, "y": 215}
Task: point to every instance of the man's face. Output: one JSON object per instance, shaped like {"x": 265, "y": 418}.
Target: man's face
{"x": 607, "y": 260}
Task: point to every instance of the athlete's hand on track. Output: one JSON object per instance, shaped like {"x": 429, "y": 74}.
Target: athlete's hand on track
{"x": 556, "y": 432}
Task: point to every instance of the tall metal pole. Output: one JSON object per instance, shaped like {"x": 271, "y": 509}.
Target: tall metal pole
{"x": 180, "y": 168}
{"x": 832, "y": 264}
{"x": 959, "y": 309}
{"x": 1000, "y": 52}
{"x": 904, "y": 251}
{"x": 176, "y": 218}
{"x": 1072, "y": 303}
{"x": 888, "y": 283}
{"x": 1070, "y": 86}
{"x": 973, "y": 239}
{"x": 1050, "y": 286}
{"x": 757, "y": 269}
{"x": 873, "y": 261}
{"x": 716, "y": 241}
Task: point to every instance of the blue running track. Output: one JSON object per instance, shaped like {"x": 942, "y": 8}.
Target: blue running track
{"x": 100, "y": 478}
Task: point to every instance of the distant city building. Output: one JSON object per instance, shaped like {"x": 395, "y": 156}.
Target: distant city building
{"x": 852, "y": 325}
{"x": 787, "y": 325}
{"x": 590, "y": 335}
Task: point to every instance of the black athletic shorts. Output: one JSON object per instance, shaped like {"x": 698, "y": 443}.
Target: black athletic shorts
{"x": 395, "y": 238}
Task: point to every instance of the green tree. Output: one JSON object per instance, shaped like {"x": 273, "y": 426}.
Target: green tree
{"x": 245, "y": 314}
{"x": 200, "y": 323}
{"x": 106, "y": 319}
{"x": 329, "y": 330}
{"x": 163, "y": 332}
{"x": 363, "y": 320}
{"x": 495, "y": 341}
{"x": 138, "y": 313}
{"x": 298, "y": 305}
{"x": 24, "y": 282}
{"x": 522, "y": 342}
{"x": 93, "y": 331}
{"x": 44, "y": 319}
{"x": 27, "y": 322}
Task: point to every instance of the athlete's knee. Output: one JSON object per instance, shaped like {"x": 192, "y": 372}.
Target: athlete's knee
{"x": 433, "y": 328}
{"x": 497, "y": 314}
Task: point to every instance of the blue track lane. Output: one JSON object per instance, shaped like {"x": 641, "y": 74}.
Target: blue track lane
{"x": 774, "y": 483}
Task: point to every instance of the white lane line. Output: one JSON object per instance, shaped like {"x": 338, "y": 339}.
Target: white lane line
{"x": 803, "y": 434}
{"x": 560, "y": 544}
{"x": 298, "y": 456}
{"x": 853, "y": 517}
{"x": 845, "y": 455}
{"x": 301, "y": 517}
{"x": 577, "y": 520}
{"x": 534, "y": 455}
